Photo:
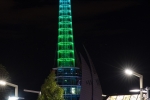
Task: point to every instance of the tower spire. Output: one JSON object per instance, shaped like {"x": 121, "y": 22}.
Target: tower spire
{"x": 66, "y": 57}
{"x": 68, "y": 75}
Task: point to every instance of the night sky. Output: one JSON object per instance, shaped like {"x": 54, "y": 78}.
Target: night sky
{"x": 115, "y": 33}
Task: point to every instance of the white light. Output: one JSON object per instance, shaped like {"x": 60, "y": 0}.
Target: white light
{"x": 137, "y": 90}
{"x": 104, "y": 95}
{"x": 128, "y": 71}
{"x": 2, "y": 82}
{"x": 13, "y": 98}
{"x": 144, "y": 91}
{"x": 73, "y": 91}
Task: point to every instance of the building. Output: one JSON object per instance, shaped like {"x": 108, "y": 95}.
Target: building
{"x": 68, "y": 75}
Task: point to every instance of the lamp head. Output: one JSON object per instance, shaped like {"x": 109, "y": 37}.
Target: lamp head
{"x": 2, "y": 82}
{"x": 128, "y": 72}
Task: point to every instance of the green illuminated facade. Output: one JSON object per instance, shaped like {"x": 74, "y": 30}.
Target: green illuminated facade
{"x": 65, "y": 36}
{"x": 68, "y": 75}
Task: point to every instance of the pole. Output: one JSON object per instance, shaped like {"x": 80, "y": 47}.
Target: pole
{"x": 32, "y": 91}
{"x": 147, "y": 90}
{"x": 16, "y": 88}
{"x": 16, "y": 91}
{"x": 141, "y": 87}
{"x": 141, "y": 84}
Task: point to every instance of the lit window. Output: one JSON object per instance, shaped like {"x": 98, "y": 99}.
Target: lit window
{"x": 73, "y": 90}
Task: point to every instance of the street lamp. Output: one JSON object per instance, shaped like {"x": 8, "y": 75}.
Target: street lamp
{"x": 10, "y": 84}
{"x": 130, "y": 72}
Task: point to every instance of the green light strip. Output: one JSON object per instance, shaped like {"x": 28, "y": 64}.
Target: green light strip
{"x": 65, "y": 51}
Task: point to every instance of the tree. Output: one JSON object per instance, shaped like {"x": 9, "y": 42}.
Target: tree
{"x": 4, "y": 75}
{"x": 50, "y": 90}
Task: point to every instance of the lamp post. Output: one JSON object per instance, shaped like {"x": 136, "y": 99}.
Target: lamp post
{"x": 32, "y": 91}
{"x": 10, "y": 84}
{"x": 130, "y": 72}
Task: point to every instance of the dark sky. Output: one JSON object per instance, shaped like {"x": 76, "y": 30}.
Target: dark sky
{"x": 115, "y": 33}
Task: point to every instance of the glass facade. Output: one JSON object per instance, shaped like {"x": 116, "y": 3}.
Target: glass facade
{"x": 70, "y": 80}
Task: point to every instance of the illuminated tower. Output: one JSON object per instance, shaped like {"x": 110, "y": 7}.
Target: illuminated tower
{"x": 65, "y": 36}
{"x": 68, "y": 75}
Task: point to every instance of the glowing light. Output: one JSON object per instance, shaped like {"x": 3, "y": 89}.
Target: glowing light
{"x": 66, "y": 53}
{"x": 135, "y": 90}
{"x": 128, "y": 72}
{"x": 73, "y": 90}
{"x": 13, "y": 98}
{"x": 65, "y": 36}
{"x": 138, "y": 90}
{"x": 2, "y": 82}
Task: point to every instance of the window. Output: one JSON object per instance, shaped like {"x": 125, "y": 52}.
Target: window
{"x": 73, "y": 90}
